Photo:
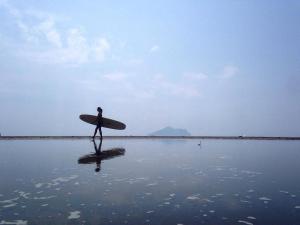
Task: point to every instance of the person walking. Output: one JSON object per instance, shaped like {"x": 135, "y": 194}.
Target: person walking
{"x": 99, "y": 124}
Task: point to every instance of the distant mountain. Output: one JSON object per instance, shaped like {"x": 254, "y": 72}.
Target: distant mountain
{"x": 170, "y": 131}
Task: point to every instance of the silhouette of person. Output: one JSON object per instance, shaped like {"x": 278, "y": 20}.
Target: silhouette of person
{"x": 98, "y": 153}
{"x": 99, "y": 124}
{"x": 97, "y": 150}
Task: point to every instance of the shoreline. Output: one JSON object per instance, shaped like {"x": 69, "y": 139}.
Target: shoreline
{"x": 151, "y": 137}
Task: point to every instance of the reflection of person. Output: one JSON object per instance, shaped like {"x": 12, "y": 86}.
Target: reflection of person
{"x": 98, "y": 153}
{"x": 99, "y": 124}
{"x": 97, "y": 150}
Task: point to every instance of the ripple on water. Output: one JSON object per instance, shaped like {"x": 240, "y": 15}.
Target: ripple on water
{"x": 265, "y": 199}
{"x": 251, "y": 217}
{"x": 14, "y": 222}
{"x": 74, "y": 215}
{"x": 193, "y": 197}
{"x": 245, "y": 222}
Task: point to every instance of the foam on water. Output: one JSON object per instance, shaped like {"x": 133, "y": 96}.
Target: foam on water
{"x": 10, "y": 205}
{"x": 74, "y": 215}
{"x": 265, "y": 199}
{"x": 245, "y": 222}
{"x": 193, "y": 197}
{"x": 14, "y": 222}
{"x": 251, "y": 217}
{"x": 38, "y": 185}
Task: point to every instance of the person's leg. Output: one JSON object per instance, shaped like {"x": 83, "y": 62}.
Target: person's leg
{"x": 100, "y": 131}
{"x": 95, "y": 132}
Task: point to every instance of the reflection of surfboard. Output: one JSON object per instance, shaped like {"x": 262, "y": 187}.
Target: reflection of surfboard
{"x": 108, "y": 123}
{"x": 107, "y": 154}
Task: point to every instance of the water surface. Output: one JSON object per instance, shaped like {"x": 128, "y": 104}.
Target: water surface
{"x": 150, "y": 182}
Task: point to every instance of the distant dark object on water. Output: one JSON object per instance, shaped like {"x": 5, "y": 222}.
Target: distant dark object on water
{"x": 170, "y": 131}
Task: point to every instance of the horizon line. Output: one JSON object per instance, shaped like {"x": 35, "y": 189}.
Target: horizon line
{"x": 31, "y": 137}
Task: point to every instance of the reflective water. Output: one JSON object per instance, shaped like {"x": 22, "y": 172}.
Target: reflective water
{"x": 149, "y": 182}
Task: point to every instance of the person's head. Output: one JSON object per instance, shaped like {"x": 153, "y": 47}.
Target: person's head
{"x": 97, "y": 170}
{"x": 99, "y": 109}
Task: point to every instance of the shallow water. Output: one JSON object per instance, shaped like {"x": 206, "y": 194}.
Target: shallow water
{"x": 150, "y": 182}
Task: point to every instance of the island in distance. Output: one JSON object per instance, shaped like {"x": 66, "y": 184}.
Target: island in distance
{"x": 170, "y": 131}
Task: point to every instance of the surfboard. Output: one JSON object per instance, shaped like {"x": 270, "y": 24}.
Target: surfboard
{"x": 108, "y": 123}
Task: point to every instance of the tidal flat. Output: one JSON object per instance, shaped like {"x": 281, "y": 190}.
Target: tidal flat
{"x": 149, "y": 181}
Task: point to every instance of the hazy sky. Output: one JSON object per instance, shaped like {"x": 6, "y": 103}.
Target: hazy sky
{"x": 212, "y": 67}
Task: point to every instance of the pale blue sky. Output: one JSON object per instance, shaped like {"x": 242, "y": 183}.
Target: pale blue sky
{"x": 212, "y": 67}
